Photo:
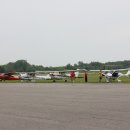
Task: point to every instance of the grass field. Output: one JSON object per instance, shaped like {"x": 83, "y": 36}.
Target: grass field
{"x": 92, "y": 78}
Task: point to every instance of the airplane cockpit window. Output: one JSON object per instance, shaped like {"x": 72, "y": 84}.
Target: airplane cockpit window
{"x": 115, "y": 74}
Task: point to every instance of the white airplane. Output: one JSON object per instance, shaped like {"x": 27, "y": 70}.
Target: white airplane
{"x": 27, "y": 76}
{"x": 43, "y": 77}
{"x": 113, "y": 74}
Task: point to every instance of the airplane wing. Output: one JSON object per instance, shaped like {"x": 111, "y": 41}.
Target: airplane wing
{"x": 10, "y": 73}
{"x": 57, "y": 72}
{"x": 63, "y": 73}
{"x": 110, "y": 70}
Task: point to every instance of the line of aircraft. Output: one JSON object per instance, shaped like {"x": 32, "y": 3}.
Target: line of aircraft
{"x": 38, "y": 75}
{"x": 62, "y": 75}
{"x": 48, "y": 75}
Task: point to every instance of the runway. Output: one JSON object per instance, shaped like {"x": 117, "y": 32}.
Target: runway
{"x": 55, "y": 106}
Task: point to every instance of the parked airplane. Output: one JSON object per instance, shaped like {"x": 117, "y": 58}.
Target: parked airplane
{"x": 29, "y": 76}
{"x": 9, "y": 76}
{"x": 113, "y": 74}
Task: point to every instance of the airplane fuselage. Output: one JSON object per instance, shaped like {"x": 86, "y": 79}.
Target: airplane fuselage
{"x": 9, "y": 77}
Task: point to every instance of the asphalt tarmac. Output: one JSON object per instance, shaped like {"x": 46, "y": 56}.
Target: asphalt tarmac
{"x": 35, "y": 106}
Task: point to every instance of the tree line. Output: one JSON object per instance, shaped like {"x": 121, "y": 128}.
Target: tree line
{"x": 24, "y": 66}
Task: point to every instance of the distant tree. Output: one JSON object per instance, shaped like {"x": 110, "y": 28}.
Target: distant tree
{"x": 69, "y": 67}
{"x": 9, "y": 67}
{"x": 2, "y": 70}
{"x": 96, "y": 65}
{"x": 24, "y": 66}
{"x": 81, "y": 65}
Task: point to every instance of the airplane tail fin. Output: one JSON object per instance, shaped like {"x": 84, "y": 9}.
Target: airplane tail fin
{"x": 76, "y": 74}
{"x": 128, "y": 73}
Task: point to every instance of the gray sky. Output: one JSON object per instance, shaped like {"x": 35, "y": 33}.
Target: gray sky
{"x": 58, "y": 32}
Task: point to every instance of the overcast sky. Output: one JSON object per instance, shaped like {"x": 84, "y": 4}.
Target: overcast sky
{"x": 58, "y": 32}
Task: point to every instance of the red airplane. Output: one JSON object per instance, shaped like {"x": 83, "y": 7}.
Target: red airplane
{"x": 9, "y": 76}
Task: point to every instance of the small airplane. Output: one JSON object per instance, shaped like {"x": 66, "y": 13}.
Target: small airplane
{"x": 113, "y": 74}
{"x": 9, "y": 76}
{"x": 28, "y": 76}
{"x": 43, "y": 77}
